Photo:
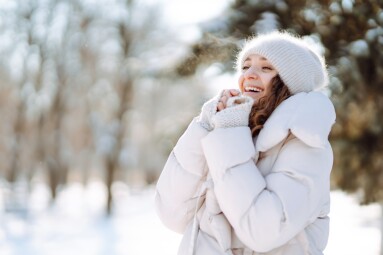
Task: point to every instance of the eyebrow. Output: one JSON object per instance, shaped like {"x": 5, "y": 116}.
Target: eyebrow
{"x": 261, "y": 58}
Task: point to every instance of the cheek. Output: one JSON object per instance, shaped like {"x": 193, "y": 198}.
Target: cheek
{"x": 240, "y": 82}
{"x": 267, "y": 80}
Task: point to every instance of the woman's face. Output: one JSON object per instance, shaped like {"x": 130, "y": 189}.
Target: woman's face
{"x": 256, "y": 76}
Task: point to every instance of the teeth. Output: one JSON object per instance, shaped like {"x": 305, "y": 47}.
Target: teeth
{"x": 253, "y": 89}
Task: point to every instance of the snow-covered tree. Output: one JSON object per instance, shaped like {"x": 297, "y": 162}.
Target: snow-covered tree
{"x": 89, "y": 91}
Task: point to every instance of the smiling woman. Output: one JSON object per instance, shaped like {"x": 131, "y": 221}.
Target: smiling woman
{"x": 250, "y": 175}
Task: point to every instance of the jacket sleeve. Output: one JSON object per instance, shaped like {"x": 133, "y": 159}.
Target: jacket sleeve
{"x": 266, "y": 212}
{"x": 177, "y": 188}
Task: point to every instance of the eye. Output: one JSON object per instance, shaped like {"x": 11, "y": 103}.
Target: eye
{"x": 245, "y": 68}
{"x": 267, "y": 68}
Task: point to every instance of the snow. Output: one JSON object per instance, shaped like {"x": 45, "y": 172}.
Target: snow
{"x": 359, "y": 48}
{"x": 347, "y": 5}
{"x": 183, "y": 12}
{"x": 75, "y": 224}
{"x": 354, "y": 229}
{"x": 268, "y": 22}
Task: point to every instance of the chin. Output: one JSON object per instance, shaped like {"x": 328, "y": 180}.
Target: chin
{"x": 253, "y": 96}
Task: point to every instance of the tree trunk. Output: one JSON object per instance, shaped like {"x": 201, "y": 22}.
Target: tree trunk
{"x": 110, "y": 170}
{"x": 112, "y": 159}
{"x": 57, "y": 168}
{"x": 381, "y": 228}
{"x": 15, "y": 158}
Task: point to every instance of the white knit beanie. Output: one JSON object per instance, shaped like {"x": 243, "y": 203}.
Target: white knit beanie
{"x": 300, "y": 67}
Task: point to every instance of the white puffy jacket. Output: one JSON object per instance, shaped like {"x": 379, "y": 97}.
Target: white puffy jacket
{"x": 267, "y": 195}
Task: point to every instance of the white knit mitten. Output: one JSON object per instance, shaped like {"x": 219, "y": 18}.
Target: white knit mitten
{"x": 209, "y": 109}
{"x": 235, "y": 114}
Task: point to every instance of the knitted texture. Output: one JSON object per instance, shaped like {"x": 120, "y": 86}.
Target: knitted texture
{"x": 300, "y": 67}
{"x": 235, "y": 114}
{"x": 207, "y": 112}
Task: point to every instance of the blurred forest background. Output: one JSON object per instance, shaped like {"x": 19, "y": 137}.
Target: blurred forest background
{"x": 103, "y": 89}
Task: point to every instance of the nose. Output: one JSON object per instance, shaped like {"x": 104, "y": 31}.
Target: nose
{"x": 251, "y": 73}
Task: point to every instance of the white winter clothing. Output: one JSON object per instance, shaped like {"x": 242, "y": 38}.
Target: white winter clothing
{"x": 235, "y": 114}
{"x": 268, "y": 195}
{"x": 209, "y": 109}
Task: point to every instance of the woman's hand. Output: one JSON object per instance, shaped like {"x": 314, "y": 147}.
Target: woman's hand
{"x": 225, "y": 95}
{"x": 235, "y": 114}
{"x": 209, "y": 109}
{"x": 214, "y": 105}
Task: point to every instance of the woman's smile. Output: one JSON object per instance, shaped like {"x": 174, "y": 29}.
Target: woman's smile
{"x": 256, "y": 76}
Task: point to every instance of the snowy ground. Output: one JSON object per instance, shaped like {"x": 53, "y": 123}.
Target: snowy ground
{"x": 76, "y": 225}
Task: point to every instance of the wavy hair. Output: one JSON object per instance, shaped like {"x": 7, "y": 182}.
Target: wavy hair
{"x": 263, "y": 108}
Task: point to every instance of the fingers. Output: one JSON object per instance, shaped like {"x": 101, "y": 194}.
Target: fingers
{"x": 226, "y": 94}
{"x": 220, "y": 106}
{"x": 222, "y": 101}
{"x": 234, "y": 92}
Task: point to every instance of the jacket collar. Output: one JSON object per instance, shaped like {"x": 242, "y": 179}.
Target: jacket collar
{"x": 309, "y": 116}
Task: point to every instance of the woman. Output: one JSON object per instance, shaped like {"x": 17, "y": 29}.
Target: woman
{"x": 250, "y": 175}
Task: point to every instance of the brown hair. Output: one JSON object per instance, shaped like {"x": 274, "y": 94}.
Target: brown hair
{"x": 262, "y": 109}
